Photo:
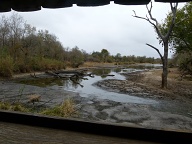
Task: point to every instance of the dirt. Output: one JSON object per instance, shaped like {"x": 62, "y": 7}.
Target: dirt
{"x": 173, "y": 110}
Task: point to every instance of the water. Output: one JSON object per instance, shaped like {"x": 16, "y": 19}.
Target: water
{"x": 91, "y": 91}
{"x": 86, "y": 88}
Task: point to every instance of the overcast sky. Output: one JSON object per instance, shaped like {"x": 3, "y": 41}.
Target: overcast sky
{"x": 110, "y": 27}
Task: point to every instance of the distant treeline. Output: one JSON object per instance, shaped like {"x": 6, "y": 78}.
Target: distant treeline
{"x": 23, "y": 48}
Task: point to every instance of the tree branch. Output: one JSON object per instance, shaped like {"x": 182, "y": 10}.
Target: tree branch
{"x": 155, "y": 20}
{"x": 174, "y": 10}
{"x": 156, "y": 50}
{"x": 147, "y": 19}
{"x": 156, "y": 24}
{"x": 149, "y": 12}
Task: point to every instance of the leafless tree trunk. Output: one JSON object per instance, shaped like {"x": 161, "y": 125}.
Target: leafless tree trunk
{"x": 16, "y": 22}
{"x": 4, "y": 31}
{"x": 164, "y": 38}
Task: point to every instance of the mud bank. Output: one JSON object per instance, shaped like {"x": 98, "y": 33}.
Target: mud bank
{"x": 174, "y": 110}
{"x": 170, "y": 113}
{"x": 148, "y": 116}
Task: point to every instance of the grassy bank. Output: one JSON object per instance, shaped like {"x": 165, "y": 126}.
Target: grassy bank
{"x": 176, "y": 85}
{"x": 8, "y": 67}
{"x": 66, "y": 109}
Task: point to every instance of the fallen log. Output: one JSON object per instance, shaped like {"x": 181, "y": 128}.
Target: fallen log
{"x": 53, "y": 74}
{"x": 69, "y": 72}
{"x": 107, "y": 75}
{"x": 33, "y": 75}
{"x": 74, "y": 78}
{"x": 90, "y": 75}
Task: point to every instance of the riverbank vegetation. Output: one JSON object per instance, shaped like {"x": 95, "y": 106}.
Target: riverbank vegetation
{"x": 24, "y": 48}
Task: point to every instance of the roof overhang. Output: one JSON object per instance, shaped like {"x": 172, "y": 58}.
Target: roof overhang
{"x": 34, "y": 5}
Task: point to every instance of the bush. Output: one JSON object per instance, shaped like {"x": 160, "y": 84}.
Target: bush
{"x": 48, "y": 64}
{"x": 21, "y": 66}
{"x": 6, "y": 66}
{"x": 38, "y": 64}
{"x": 185, "y": 63}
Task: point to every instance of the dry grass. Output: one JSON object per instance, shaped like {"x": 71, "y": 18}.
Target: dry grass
{"x": 13, "y": 107}
{"x": 172, "y": 73}
{"x": 176, "y": 87}
{"x": 34, "y": 98}
{"x": 66, "y": 109}
{"x": 94, "y": 64}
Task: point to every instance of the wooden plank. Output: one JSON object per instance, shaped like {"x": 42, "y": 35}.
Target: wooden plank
{"x": 22, "y": 134}
{"x": 102, "y": 129}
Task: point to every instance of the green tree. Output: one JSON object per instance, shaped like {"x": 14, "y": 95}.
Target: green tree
{"x": 104, "y": 55}
{"x": 76, "y": 57}
{"x": 181, "y": 38}
{"x": 96, "y": 56}
{"x": 118, "y": 57}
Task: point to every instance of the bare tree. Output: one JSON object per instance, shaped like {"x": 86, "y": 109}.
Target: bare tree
{"x": 16, "y": 29}
{"x": 4, "y": 31}
{"x": 28, "y": 41}
{"x": 164, "y": 37}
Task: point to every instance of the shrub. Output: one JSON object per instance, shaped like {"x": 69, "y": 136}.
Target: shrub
{"x": 6, "y": 66}
{"x": 4, "y": 105}
{"x": 18, "y": 107}
{"x": 21, "y": 66}
{"x": 185, "y": 63}
{"x": 48, "y": 64}
{"x": 38, "y": 64}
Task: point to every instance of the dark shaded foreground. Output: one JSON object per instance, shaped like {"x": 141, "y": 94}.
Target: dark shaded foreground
{"x": 22, "y": 134}
{"x": 74, "y": 131}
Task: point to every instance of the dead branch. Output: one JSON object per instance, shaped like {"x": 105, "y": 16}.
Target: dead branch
{"x": 72, "y": 75}
{"x": 53, "y": 74}
{"x": 155, "y": 25}
{"x": 69, "y": 72}
{"x": 108, "y": 75}
{"x": 147, "y": 19}
{"x": 156, "y": 50}
{"x": 150, "y": 14}
{"x": 76, "y": 82}
{"x": 174, "y": 10}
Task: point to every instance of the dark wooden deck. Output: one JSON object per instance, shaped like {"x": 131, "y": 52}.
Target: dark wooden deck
{"x": 21, "y": 134}
{"x": 25, "y": 128}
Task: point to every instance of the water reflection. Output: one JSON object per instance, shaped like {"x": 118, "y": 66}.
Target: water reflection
{"x": 44, "y": 82}
{"x": 101, "y": 72}
{"x": 85, "y": 86}
{"x": 145, "y": 66}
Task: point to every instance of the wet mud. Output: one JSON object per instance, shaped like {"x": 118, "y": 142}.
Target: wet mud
{"x": 169, "y": 113}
